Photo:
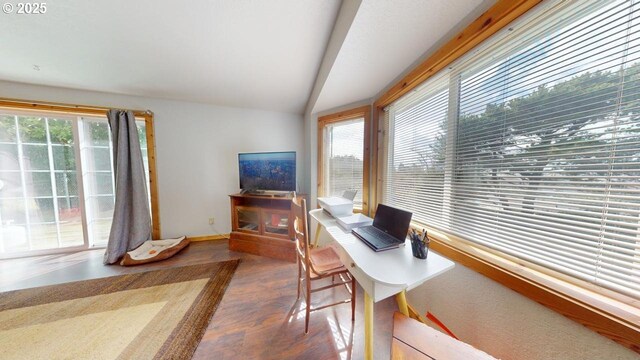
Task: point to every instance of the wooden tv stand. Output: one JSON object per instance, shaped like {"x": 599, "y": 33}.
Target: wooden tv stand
{"x": 262, "y": 225}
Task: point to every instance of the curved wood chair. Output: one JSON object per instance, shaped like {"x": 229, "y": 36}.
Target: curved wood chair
{"x": 318, "y": 263}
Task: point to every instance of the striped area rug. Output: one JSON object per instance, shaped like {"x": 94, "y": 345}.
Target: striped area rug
{"x": 159, "y": 314}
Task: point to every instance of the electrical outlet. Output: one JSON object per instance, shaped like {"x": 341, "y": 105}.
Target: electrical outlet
{"x": 212, "y": 221}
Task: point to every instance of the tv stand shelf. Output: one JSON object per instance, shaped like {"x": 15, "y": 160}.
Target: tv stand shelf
{"x": 262, "y": 224}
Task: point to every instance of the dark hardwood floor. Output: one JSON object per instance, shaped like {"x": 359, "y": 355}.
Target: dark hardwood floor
{"x": 258, "y": 318}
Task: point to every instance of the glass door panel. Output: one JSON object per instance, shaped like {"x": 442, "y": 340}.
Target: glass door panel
{"x": 51, "y": 168}
{"x": 39, "y": 207}
{"x": 276, "y": 222}
{"x": 248, "y": 219}
{"x": 98, "y": 175}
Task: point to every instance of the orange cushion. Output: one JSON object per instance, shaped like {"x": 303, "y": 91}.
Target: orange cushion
{"x": 325, "y": 259}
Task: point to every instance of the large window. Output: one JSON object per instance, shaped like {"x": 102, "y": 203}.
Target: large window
{"x": 530, "y": 145}
{"x": 343, "y": 155}
{"x": 56, "y": 181}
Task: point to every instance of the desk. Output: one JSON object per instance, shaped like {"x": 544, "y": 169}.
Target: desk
{"x": 381, "y": 274}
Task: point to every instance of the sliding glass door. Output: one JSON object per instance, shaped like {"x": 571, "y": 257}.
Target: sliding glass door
{"x": 56, "y": 182}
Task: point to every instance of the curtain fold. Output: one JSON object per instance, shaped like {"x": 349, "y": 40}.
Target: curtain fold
{"x": 131, "y": 224}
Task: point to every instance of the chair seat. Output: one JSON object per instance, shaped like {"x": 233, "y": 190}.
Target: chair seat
{"x": 325, "y": 259}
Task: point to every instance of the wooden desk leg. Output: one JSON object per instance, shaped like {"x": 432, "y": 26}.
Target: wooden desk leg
{"x": 401, "y": 298}
{"x": 317, "y": 237}
{"x": 368, "y": 327}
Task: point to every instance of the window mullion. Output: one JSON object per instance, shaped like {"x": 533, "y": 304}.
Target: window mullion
{"x": 450, "y": 148}
{"x": 389, "y": 140}
{"x": 23, "y": 181}
{"x": 327, "y": 134}
{"x": 77, "y": 148}
{"x": 52, "y": 176}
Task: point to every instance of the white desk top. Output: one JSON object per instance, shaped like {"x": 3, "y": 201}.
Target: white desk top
{"x": 396, "y": 268}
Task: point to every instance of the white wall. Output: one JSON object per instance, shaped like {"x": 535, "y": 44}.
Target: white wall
{"x": 506, "y": 324}
{"x": 196, "y": 150}
{"x": 311, "y": 158}
{"x": 346, "y": 14}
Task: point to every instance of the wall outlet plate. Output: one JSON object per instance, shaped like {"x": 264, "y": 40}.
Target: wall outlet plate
{"x": 212, "y": 221}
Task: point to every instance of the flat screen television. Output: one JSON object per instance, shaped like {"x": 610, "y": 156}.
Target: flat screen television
{"x": 270, "y": 171}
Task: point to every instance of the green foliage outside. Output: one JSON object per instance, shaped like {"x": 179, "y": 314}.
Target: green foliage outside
{"x": 566, "y": 115}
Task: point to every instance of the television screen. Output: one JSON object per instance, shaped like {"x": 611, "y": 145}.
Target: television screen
{"x": 268, "y": 171}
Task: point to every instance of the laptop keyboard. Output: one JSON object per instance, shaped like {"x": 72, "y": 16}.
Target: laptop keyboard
{"x": 378, "y": 237}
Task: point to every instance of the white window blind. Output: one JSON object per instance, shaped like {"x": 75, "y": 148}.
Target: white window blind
{"x": 543, "y": 158}
{"x": 344, "y": 154}
{"x": 416, "y": 152}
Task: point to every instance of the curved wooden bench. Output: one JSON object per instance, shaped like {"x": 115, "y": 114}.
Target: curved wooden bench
{"x": 415, "y": 340}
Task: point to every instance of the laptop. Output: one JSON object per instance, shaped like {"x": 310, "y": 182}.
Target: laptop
{"x": 389, "y": 229}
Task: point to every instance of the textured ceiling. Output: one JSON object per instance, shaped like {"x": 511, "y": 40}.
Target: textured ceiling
{"x": 241, "y": 53}
{"x": 386, "y": 37}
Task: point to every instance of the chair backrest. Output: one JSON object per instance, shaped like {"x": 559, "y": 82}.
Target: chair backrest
{"x": 301, "y": 229}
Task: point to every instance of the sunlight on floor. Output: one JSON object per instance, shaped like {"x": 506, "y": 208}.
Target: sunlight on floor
{"x": 343, "y": 339}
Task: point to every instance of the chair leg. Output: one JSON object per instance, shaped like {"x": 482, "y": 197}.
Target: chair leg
{"x": 308, "y": 307}
{"x": 299, "y": 276}
{"x": 353, "y": 298}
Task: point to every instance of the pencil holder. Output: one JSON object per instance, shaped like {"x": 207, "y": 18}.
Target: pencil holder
{"x": 420, "y": 249}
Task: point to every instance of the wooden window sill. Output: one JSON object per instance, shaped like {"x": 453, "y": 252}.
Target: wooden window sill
{"x": 609, "y": 314}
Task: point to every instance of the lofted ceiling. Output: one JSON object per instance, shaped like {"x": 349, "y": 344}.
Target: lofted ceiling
{"x": 386, "y": 38}
{"x": 241, "y": 53}
{"x": 261, "y": 54}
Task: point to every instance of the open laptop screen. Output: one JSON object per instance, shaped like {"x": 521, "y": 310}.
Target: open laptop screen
{"x": 394, "y": 222}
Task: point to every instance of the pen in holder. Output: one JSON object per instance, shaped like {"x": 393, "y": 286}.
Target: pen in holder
{"x": 419, "y": 244}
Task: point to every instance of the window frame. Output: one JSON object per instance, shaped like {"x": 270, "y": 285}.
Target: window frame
{"x": 609, "y": 316}
{"x": 83, "y": 110}
{"x": 347, "y": 115}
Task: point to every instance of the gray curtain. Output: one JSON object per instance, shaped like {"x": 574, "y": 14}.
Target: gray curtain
{"x": 131, "y": 216}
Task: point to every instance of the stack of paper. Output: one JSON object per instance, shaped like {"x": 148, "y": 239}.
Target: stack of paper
{"x": 354, "y": 221}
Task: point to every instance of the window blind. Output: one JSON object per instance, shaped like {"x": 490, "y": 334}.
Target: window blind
{"x": 543, "y": 142}
{"x": 415, "y": 173}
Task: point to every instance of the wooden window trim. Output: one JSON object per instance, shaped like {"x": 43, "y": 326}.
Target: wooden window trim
{"x": 323, "y": 121}
{"x": 13, "y": 104}
{"x": 491, "y": 21}
{"x": 614, "y": 319}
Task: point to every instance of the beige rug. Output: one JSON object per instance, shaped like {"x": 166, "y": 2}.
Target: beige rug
{"x": 158, "y": 314}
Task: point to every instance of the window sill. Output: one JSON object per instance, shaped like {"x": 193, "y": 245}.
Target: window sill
{"x": 617, "y": 318}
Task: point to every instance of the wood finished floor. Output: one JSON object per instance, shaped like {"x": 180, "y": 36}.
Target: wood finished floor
{"x": 258, "y": 318}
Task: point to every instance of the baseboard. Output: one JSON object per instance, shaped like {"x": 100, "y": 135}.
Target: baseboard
{"x": 209, "y": 237}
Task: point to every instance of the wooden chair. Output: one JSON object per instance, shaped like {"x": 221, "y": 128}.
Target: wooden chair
{"x": 318, "y": 263}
